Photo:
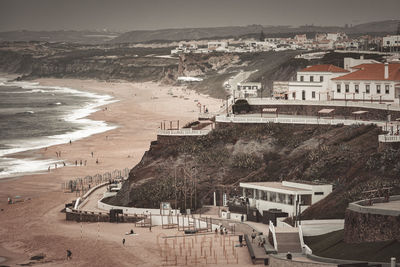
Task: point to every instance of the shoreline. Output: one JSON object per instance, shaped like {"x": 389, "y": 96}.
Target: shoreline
{"x": 27, "y": 152}
{"x": 36, "y": 225}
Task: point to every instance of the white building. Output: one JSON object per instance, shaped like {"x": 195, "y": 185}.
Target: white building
{"x": 314, "y": 83}
{"x": 280, "y": 89}
{"x": 247, "y": 89}
{"x": 217, "y": 46}
{"x": 391, "y": 41}
{"x": 350, "y": 62}
{"x": 369, "y": 82}
{"x": 285, "y": 196}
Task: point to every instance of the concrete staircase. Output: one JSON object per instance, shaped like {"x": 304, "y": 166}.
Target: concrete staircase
{"x": 288, "y": 241}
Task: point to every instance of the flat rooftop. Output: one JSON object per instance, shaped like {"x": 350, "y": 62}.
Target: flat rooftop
{"x": 391, "y": 205}
{"x": 277, "y": 185}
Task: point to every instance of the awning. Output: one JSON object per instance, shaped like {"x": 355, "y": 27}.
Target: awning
{"x": 269, "y": 109}
{"x": 325, "y": 111}
{"x": 358, "y": 112}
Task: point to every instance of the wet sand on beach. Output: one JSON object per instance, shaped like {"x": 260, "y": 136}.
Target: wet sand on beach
{"x": 37, "y": 226}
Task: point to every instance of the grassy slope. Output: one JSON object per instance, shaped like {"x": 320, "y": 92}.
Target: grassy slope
{"x": 331, "y": 245}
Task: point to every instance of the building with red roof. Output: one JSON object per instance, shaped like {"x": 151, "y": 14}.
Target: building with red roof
{"x": 372, "y": 82}
{"x": 312, "y": 83}
{"x": 375, "y": 82}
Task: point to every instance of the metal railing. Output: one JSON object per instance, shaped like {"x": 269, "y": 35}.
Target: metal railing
{"x": 395, "y": 106}
{"x": 183, "y": 132}
{"x": 294, "y": 120}
{"x": 383, "y": 138}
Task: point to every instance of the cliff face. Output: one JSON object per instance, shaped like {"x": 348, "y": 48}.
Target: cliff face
{"x": 346, "y": 157}
{"x": 35, "y": 60}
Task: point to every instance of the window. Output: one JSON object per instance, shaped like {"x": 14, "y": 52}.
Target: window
{"x": 347, "y": 88}
{"x": 321, "y": 78}
{"x": 318, "y": 193}
{"x": 311, "y": 78}
{"x": 356, "y": 88}
{"x": 313, "y": 94}
{"x": 367, "y": 88}
{"x": 301, "y": 78}
{"x": 338, "y": 88}
{"x": 387, "y": 89}
{"x": 378, "y": 88}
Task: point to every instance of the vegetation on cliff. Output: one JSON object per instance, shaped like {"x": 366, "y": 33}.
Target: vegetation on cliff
{"x": 345, "y": 156}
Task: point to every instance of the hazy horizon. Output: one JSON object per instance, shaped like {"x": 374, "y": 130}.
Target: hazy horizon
{"x": 125, "y": 15}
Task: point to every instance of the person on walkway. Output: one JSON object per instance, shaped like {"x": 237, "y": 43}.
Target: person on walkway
{"x": 69, "y": 254}
{"x": 242, "y": 218}
{"x": 123, "y": 241}
{"x": 253, "y": 236}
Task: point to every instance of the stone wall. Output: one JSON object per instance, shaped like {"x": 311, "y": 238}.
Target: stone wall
{"x": 366, "y": 227}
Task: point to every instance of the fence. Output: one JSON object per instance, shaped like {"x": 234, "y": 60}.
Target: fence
{"x": 183, "y": 132}
{"x": 348, "y": 103}
{"x": 293, "y": 120}
{"x": 82, "y": 185}
{"x": 388, "y": 138}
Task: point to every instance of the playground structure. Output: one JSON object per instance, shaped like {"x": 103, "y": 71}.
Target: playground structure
{"x": 81, "y": 185}
{"x": 206, "y": 248}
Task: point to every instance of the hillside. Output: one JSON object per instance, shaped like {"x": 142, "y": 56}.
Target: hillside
{"x": 346, "y": 157}
{"x": 82, "y": 37}
{"x": 165, "y": 35}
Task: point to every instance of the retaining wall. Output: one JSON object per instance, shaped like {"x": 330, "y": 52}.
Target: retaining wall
{"x": 370, "y": 224}
{"x": 312, "y": 110}
{"x": 275, "y": 261}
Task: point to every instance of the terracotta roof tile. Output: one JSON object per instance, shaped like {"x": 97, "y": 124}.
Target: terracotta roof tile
{"x": 374, "y": 72}
{"x": 325, "y": 68}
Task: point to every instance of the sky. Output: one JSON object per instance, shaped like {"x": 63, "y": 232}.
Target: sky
{"x": 126, "y": 15}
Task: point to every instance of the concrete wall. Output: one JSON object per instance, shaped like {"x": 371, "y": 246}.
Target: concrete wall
{"x": 312, "y": 110}
{"x": 366, "y": 227}
{"x": 275, "y": 261}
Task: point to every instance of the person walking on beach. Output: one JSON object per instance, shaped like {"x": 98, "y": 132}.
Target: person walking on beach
{"x": 48, "y": 169}
{"x": 80, "y": 163}
{"x": 123, "y": 241}
{"x": 64, "y": 163}
{"x": 69, "y": 254}
{"x": 92, "y": 154}
{"x": 76, "y": 163}
{"x": 57, "y": 154}
{"x": 253, "y": 236}
{"x": 97, "y": 161}
{"x": 70, "y": 142}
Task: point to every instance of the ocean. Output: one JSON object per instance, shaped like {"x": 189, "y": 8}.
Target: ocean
{"x": 34, "y": 116}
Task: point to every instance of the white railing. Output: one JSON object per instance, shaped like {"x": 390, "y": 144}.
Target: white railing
{"x": 294, "y": 120}
{"x": 305, "y": 249}
{"x": 183, "y": 132}
{"x": 272, "y": 230}
{"x": 395, "y": 106}
{"x": 383, "y": 138}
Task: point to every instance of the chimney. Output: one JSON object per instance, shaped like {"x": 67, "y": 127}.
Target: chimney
{"x": 386, "y": 76}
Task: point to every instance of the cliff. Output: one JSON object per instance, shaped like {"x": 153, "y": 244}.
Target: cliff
{"x": 189, "y": 170}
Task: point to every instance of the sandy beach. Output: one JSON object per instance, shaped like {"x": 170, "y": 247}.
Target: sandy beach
{"x": 36, "y": 225}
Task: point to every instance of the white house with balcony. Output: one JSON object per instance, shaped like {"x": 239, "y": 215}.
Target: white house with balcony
{"x": 314, "y": 83}
{"x": 247, "y": 89}
{"x": 374, "y": 82}
{"x": 286, "y": 196}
